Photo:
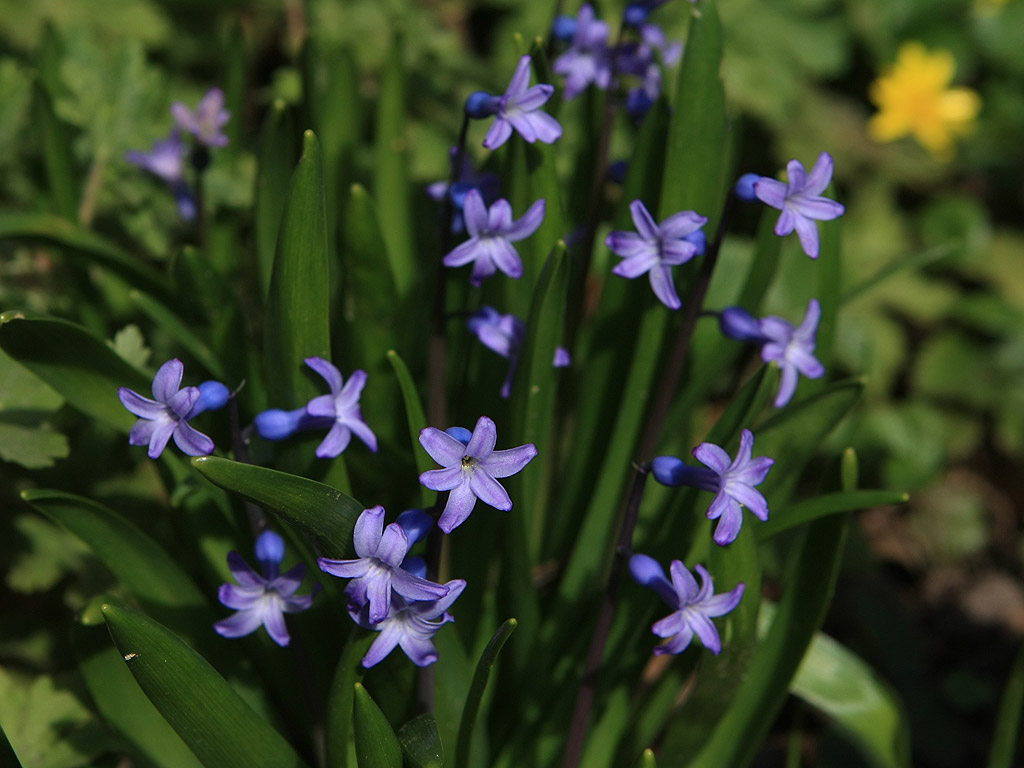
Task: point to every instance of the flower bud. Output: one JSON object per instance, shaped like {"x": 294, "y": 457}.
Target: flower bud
{"x": 270, "y": 548}
{"x": 481, "y": 105}
{"x": 744, "y": 188}
{"x": 737, "y": 323}
{"x": 416, "y": 523}
{"x": 460, "y": 433}
{"x": 276, "y": 424}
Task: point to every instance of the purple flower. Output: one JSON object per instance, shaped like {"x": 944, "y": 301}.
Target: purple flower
{"x": 207, "y": 120}
{"x": 800, "y": 201}
{"x": 793, "y": 349}
{"x": 731, "y": 482}
{"x": 166, "y": 416}
{"x": 693, "y": 606}
{"x": 167, "y": 161}
{"x": 378, "y": 569}
{"x": 411, "y": 626}
{"x": 737, "y": 323}
{"x": 466, "y": 178}
{"x": 589, "y": 59}
{"x": 470, "y": 470}
{"x": 505, "y": 334}
{"x": 656, "y": 249}
{"x": 519, "y": 108}
{"x": 491, "y": 234}
{"x": 262, "y": 599}
{"x": 341, "y": 406}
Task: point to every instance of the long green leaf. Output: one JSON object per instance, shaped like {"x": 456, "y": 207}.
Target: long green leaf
{"x": 60, "y": 170}
{"x": 275, "y": 163}
{"x": 417, "y": 420}
{"x": 696, "y": 138}
{"x": 326, "y": 514}
{"x": 476, "y": 691}
{"x": 123, "y": 704}
{"x": 298, "y": 305}
{"x": 376, "y": 743}
{"x": 199, "y": 704}
{"x": 421, "y": 742}
{"x": 822, "y": 506}
{"x": 1008, "y": 721}
{"x": 339, "y": 702}
{"x": 81, "y": 368}
{"x": 55, "y": 230}
{"x": 392, "y": 173}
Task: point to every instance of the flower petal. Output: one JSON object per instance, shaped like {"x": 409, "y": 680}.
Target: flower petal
{"x": 328, "y": 370}
{"x": 241, "y": 624}
{"x": 481, "y": 444}
{"x": 509, "y": 461}
{"x": 459, "y": 507}
{"x": 168, "y": 380}
{"x": 489, "y": 490}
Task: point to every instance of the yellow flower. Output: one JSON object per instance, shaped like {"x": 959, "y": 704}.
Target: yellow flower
{"x": 914, "y": 98}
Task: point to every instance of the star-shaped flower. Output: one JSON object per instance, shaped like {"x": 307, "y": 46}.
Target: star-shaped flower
{"x": 341, "y": 405}
{"x": 518, "y": 108}
{"x": 915, "y": 98}
{"x": 793, "y": 349}
{"x": 491, "y": 234}
{"x": 470, "y": 470}
{"x": 166, "y": 160}
{"x": 589, "y": 59}
{"x": 693, "y": 606}
{"x": 206, "y": 122}
{"x": 655, "y": 248}
{"x": 800, "y": 201}
{"x": 412, "y": 627}
{"x": 262, "y": 600}
{"x": 166, "y": 416}
{"x": 732, "y": 482}
{"x": 377, "y": 572}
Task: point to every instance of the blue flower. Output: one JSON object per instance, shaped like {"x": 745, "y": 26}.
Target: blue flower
{"x": 206, "y": 122}
{"x": 466, "y": 178}
{"x": 340, "y": 408}
{"x": 693, "y": 606}
{"x": 262, "y": 600}
{"x": 800, "y": 201}
{"x": 792, "y": 348}
{"x": 470, "y": 470}
{"x": 737, "y": 323}
{"x": 589, "y": 59}
{"x": 377, "y": 572}
{"x": 167, "y": 161}
{"x": 655, "y": 248}
{"x": 167, "y": 415}
{"x": 505, "y": 334}
{"x": 732, "y": 482}
{"x": 491, "y": 234}
{"x": 518, "y": 108}
{"x": 411, "y": 626}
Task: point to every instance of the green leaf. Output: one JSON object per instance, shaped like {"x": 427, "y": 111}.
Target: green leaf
{"x": 83, "y": 369}
{"x": 123, "y": 704}
{"x": 376, "y": 743}
{"x": 134, "y": 558}
{"x": 391, "y": 163}
{"x": 298, "y": 304}
{"x": 33, "y": 445}
{"x": 696, "y": 138}
{"x": 421, "y": 742}
{"x": 326, "y": 514}
{"x": 476, "y": 691}
{"x": 49, "y": 229}
{"x": 60, "y": 170}
{"x": 216, "y": 724}
{"x": 340, "y": 701}
{"x": 823, "y": 506}
{"x": 808, "y": 590}
{"x": 1008, "y": 721}
{"x": 841, "y": 685}
{"x": 417, "y": 421}
{"x": 274, "y": 166}
{"x": 47, "y": 725}
{"x": 535, "y": 387}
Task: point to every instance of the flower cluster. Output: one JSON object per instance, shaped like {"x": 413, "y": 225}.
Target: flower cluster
{"x": 166, "y": 160}
{"x": 790, "y": 347}
{"x": 636, "y": 60}
{"x": 262, "y": 600}
{"x": 168, "y": 413}
{"x": 338, "y": 412}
